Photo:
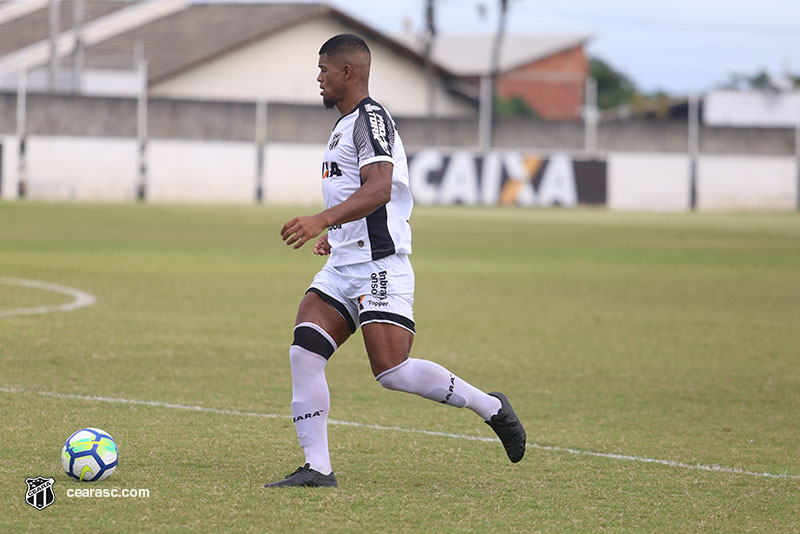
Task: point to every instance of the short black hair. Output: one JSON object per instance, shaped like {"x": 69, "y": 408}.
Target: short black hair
{"x": 344, "y": 42}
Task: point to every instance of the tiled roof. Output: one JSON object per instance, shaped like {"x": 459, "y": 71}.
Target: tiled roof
{"x": 35, "y": 26}
{"x": 197, "y": 34}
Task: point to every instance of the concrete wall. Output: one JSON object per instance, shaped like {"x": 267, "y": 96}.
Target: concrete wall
{"x": 648, "y": 181}
{"x": 99, "y": 169}
{"x": 76, "y": 168}
{"x": 194, "y": 171}
{"x": 102, "y": 169}
{"x": 62, "y": 115}
{"x": 8, "y": 167}
{"x": 746, "y": 182}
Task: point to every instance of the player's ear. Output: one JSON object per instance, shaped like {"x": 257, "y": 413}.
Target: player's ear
{"x": 347, "y": 71}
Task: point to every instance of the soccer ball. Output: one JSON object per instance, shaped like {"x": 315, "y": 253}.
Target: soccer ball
{"x": 90, "y": 454}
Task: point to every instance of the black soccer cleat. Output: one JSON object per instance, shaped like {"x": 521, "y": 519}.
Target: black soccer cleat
{"x": 508, "y": 428}
{"x": 304, "y": 476}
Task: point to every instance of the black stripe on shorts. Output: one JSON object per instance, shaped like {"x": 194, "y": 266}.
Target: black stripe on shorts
{"x": 387, "y": 317}
{"x": 338, "y": 306}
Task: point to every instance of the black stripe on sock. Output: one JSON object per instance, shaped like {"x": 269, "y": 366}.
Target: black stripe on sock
{"x": 387, "y": 317}
{"x": 338, "y": 306}
{"x": 311, "y": 340}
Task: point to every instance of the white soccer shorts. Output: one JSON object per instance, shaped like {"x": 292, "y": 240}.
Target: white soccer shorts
{"x": 380, "y": 291}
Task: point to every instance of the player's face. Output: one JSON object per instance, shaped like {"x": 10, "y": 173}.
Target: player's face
{"x": 330, "y": 80}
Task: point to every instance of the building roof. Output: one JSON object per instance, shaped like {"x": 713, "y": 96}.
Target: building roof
{"x": 470, "y": 55}
{"x": 197, "y": 34}
{"x": 187, "y": 37}
{"x": 34, "y": 26}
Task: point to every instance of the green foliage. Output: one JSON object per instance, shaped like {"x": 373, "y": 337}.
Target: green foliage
{"x": 759, "y": 81}
{"x": 514, "y": 106}
{"x": 613, "y": 87}
{"x": 668, "y": 336}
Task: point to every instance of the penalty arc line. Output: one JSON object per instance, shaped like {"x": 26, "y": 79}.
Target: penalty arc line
{"x": 81, "y": 298}
{"x": 548, "y": 448}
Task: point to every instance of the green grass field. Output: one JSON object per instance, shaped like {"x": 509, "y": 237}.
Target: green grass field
{"x": 669, "y": 337}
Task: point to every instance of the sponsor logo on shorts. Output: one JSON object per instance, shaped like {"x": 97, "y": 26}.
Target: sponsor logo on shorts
{"x": 378, "y": 285}
{"x": 377, "y": 303}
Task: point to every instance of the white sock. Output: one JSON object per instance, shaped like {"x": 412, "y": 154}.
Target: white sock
{"x": 432, "y": 381}
{"x": 310, "y": 404}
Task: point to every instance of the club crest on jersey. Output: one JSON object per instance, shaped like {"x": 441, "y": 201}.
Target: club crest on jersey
{"x": 335, "y": 140}
{"x": 378, "y": 127}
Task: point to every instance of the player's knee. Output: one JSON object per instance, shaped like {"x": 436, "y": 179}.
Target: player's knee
{"x": 313, "y": 338}
{"x": 398, "y": 378}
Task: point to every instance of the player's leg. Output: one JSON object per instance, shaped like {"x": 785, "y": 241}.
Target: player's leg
{"x": 388, "y": 346}
{"x": 321, "y": 327}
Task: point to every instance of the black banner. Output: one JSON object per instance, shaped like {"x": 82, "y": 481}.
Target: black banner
{"x": 506, "y": 177}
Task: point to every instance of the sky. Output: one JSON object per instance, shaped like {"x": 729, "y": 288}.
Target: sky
{"x": 678, "y": 46}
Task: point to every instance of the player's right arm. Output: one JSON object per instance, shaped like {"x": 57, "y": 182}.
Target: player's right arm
{"x": 375, "y": 191}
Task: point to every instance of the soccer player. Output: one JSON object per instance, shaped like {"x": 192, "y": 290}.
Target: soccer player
{"x": 367, "y": 280}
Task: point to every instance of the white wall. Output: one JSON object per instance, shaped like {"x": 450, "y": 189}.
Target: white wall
{"x": 294, "y": 173}
{"x": 193, "y": 171}
{"x": 8, "y": 188}
{"x": 81, "y": 168}
{"x": 95, "y": 169}
{"x": 264, "y": 71}
{"x": 746, "y": 182}
{"x": 642, "y": 181}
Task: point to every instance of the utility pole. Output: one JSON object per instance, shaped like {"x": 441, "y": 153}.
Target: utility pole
{"x": 694, "y": 148}
{"x": 77, "y": 52}
{"x": 261, "y": 143}
{"x": 54, "y": 23}
{"x": 141, "y": 123}
{"x": 22, "y": 133}
{"x": 489, "y": 87}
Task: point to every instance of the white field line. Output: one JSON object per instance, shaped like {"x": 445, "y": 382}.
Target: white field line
{"x": 81, "y": 298}
{"x": 549, "y": 448}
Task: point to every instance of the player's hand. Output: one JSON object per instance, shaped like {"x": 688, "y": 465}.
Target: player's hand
{"x": 300, "y": 229}
{"x": 322, "y": 248}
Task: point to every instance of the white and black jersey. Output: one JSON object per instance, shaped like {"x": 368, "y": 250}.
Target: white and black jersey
{"x": 366, "y": 135}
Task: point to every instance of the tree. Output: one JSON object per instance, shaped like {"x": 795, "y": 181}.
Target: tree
{"x": 514, "y": 106}
{"x": 761, "y": 81}
{"x": 613, "y": 87}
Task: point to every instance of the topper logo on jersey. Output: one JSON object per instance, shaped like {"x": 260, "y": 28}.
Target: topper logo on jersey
{"x": 330, "y": 169}
{"x": 379, "y": 284}
{"x": 378, "y": 128}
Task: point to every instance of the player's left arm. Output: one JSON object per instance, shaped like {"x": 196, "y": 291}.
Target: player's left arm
{"x": 375, "y": 191}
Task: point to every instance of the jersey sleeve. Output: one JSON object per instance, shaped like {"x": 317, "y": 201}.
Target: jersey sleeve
{"x": 373, "y": 135}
